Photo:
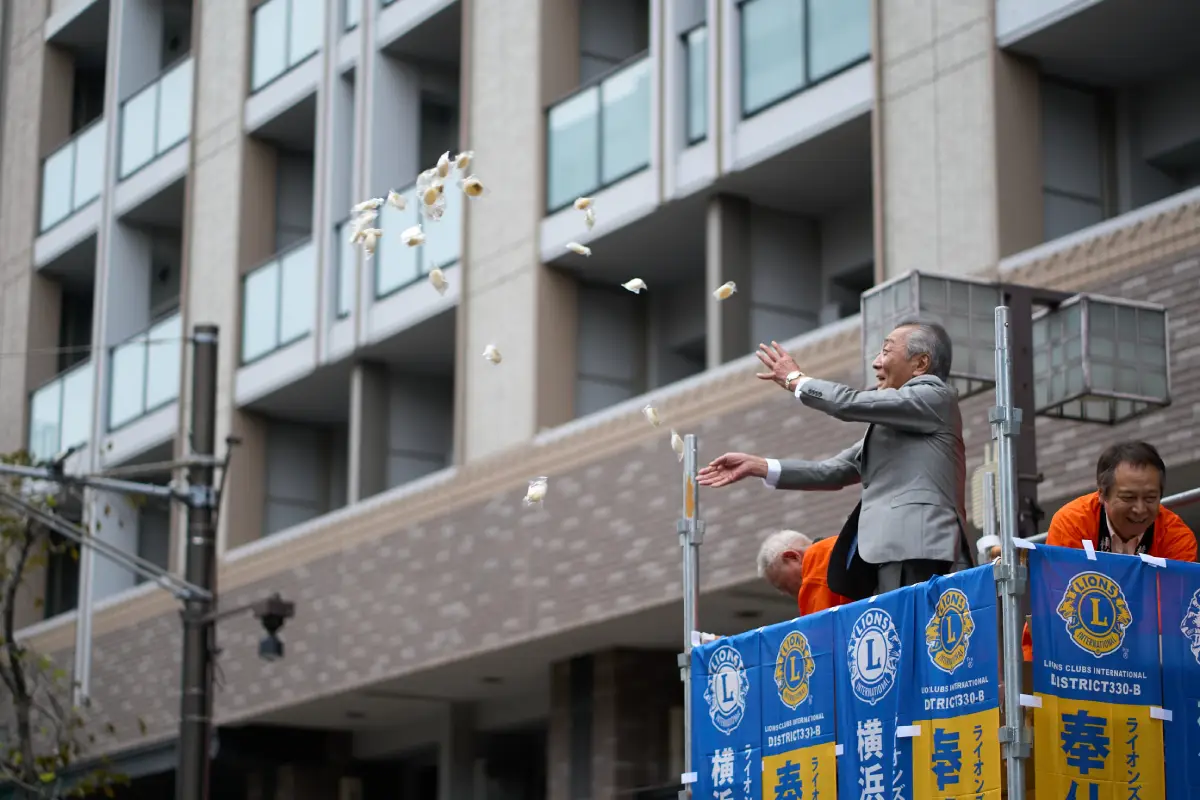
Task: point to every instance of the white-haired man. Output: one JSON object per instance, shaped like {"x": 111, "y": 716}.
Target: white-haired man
{"x": 796, "y": 565}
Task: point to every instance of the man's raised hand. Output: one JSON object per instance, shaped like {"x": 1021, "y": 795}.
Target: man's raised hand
{"x": 731, "y": 468}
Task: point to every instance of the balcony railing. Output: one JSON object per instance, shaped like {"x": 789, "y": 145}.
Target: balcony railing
{"x": 695, "y": 47}
{"x": 789, "y": 45}
{"x": 279, "y": 302}
{"x": 60, "y": 413}
{"x": 286, "y": 33}
{"x": 156, "y": 119}
{"x": 73, "y": 175}
{"x": 396, "y": 264}
{"x": 347, "y": 267}
{"x": 599, "y": 135}
{"x": 145, "y": 372}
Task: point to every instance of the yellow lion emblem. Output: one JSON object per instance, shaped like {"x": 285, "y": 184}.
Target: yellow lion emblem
{"x": 793, "y": 667}
{"x": 949, "y": 631}
{"x": 1095, "y": 612}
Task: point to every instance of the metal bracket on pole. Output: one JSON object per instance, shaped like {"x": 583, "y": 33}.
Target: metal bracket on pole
{"x": 1019, "y": 740}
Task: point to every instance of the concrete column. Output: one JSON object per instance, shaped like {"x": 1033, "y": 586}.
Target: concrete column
{"x": 526, "y": 56}
{"x": 611, "y": 734}
{"x": 457, "y": 754}
{"x": 368, "y": 431}
{"x": 114, "y": 519}
{"x": 957, "y": 150}
{"x": 727, "y": 258}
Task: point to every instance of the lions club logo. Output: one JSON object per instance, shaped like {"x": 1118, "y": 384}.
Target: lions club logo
{"x": 727, "y": 688}
{"x": 1094, "y": 609}
{"x": 793, "y": 667}
{"x": 1189, "y": 626}
{"x": 874, "y": 655}
{"x": 949, "y": 631}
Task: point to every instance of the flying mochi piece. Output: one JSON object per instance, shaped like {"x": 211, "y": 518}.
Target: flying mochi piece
{"x": 473, "y": 187}
{"x": 396, "y": 200}
{"x": 536, "y": 492}
{"x": 637, "y": 285}
{"x": 583, "y": 203}
{"x": 677, "y": 444}
{"x": 437, "y": 279}
{"x": 413, "y": 236}
{"x": 492, "y": 354}
{"x": 651, "y": 414}
{"x": 367, "y": 205}
{"x": 577, "y": 248}
{"x": 589, "y": 217}
{"x": 444, "y": 164}
{"x": 463, "y": 160}
{"x": 725, "y": 290}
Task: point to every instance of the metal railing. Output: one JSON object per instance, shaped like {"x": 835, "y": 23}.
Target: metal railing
{"x": 832, "y": 37}
{"x": 1189, "y": 498}
{"x": 396, "y": 264}
{"x": 599, "y": 134}
{"x": 279, "y": 301}
{"x": 73, "y": 175}
{"x": 695, "y": 48}
{"x": 60, "y": 412}
{"x": 286, "y": 34}
{"x": 144, "y": 372}
{"x": 156, "y": 118}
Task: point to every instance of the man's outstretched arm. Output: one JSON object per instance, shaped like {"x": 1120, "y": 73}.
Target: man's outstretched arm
{"x": 919, "y": 408}
{"x": 830, "y": 474}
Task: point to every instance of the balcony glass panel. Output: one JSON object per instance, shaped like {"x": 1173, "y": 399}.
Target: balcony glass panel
{"x": 279, "y": 302}
{"x": 782, "y": 55}
{"x": 351, "y": 12}
{"x": 145, "y": 372}
{"x": 396, "y": 264}
{"x": 286, "y": 32}
{"x": 841, "y": 35}
{"x": 57, "y": 181}
{"x": 347, "y": 263}
{"x": 599, "y": 135}
{"x": 156, "y": 119}
{"x": 60, "y": 413}
{"x": 174, "y": 107}
{"x": 162, "y": 362}
{"x": 297, "y": 294}
{"x": 625, "y": 122}
{"x": 696, "y": 49}
{"x": 72, "y": 176}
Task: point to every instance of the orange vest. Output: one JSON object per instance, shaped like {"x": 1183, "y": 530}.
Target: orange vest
{"x": 815, "y": 594}
{"x": 1080, "y": 519}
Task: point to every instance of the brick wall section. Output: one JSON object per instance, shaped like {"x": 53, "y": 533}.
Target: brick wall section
{"x": 601, "y": 548}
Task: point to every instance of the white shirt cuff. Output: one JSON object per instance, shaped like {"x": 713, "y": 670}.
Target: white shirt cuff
{"x": 800, "y": 383}
{"x": 773, "y": 470}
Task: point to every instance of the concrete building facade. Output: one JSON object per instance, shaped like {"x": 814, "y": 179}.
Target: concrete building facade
{"x": 195, "y": 162}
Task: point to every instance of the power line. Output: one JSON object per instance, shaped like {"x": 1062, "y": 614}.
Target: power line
{"x": 85, "y": 348}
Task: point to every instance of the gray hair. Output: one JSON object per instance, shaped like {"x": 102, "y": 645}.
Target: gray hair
{"x": 931, "y": 339}
{"x": 775, "y": 545}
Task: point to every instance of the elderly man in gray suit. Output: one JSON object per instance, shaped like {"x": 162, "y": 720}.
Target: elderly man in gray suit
{"x": 911, "y": 521}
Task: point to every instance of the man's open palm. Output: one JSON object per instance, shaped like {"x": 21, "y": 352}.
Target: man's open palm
{"x": 731, "y": 468}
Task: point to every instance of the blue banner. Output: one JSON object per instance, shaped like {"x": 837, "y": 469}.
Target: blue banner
{"x": 874, "y": 667}
{"x": 1096, "y": 673}
{"x": 798, "y": 742}
{"x": 727, "y": 689}
{"x": 956, "y": 754}
{"x": 1179, "y": 593}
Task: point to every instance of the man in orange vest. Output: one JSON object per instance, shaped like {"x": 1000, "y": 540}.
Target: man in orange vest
{"x": 1123, "y": 515}
{"x": 796, "y": 565}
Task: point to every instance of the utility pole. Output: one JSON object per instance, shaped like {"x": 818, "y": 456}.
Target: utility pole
{"x": 195, "y": 723}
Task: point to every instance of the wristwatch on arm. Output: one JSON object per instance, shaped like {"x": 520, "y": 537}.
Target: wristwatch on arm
{"x": 791, "y": 376}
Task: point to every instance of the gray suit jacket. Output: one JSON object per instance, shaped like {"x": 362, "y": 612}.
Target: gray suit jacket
{"x": 911, "y": 464}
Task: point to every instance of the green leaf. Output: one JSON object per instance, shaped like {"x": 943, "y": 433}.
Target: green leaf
{"x": 46, "y": 777}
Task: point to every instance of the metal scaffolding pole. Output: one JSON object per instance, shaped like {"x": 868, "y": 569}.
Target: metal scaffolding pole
{"x": 691, "y": 534}
{"x": 1011, "y": 580}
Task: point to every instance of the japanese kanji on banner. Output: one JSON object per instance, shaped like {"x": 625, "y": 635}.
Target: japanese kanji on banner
{"x": 798, "y": 743}
{"x": 874, "y": 668}
{"x": 1096, "y": 672}
{"x": 1179, "y": 599}
{"x": 727, "y": 686}
{"x": 956, "y": 706}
